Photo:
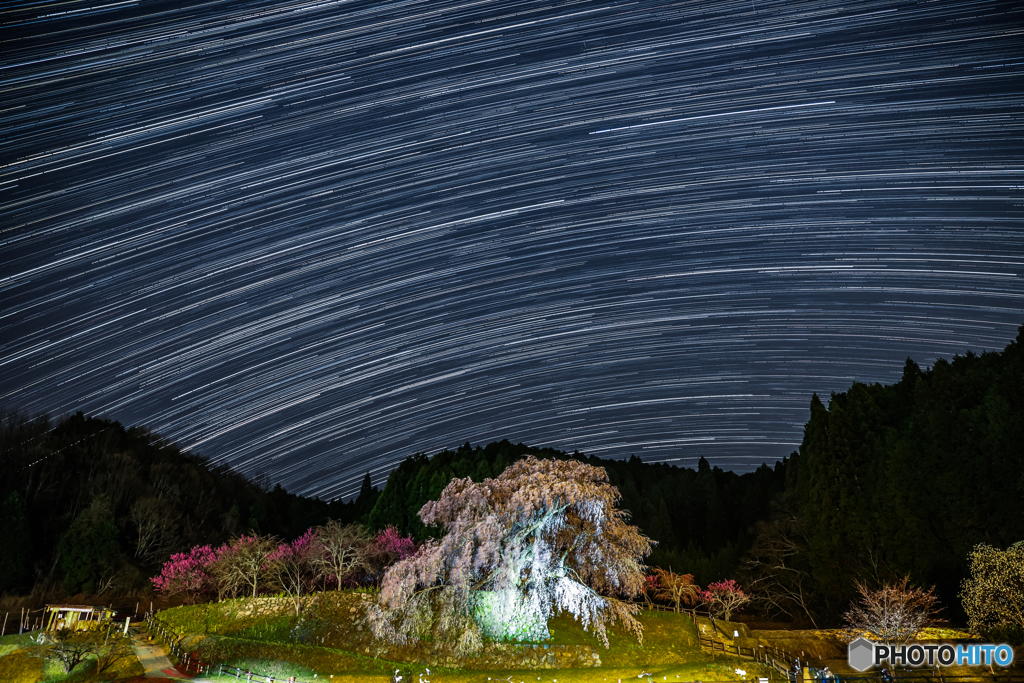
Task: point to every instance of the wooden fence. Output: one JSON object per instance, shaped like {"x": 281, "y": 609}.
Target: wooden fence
{"x": 780, "y": 660}
{"x": 23, "y": 621}
{"x": 186, "y": 662}
{"x": 791, "y": 667}
{"x": 190, "y": 664}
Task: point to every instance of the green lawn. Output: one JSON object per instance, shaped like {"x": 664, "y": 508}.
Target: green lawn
{"x": 260, "y": 637}
{"x": 17, "y": 666}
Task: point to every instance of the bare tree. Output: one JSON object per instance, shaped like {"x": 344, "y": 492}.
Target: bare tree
{"x": 67, "y": 647}
{"x": 243, "y": 564}
{"x": 117, "y": 652}
{"x": 346, "y": 550}
{"x": 154, "y": 521}
{"x": 892, "y": 614}
{"x": 774, "y": 567}
{"x": 544, "y": 536}
{"x": 676, "y": 588}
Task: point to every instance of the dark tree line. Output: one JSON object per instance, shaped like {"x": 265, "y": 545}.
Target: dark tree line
{"x": 899, "y": 480}
{"x": 91, "y": 505}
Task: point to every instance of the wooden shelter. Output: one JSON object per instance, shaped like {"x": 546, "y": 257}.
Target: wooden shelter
{"x": 77, "y": 617}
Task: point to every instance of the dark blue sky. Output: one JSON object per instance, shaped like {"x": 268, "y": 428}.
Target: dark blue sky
{"x": 309, "y": 239}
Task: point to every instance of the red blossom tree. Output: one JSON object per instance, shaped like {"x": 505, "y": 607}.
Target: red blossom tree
{"x": 650, "y": 588}
{"x": 187, "y": 574}
{"x": 724, "y": 598}
{"x": 390, "y": 542}
{"x": 542, "y": 537}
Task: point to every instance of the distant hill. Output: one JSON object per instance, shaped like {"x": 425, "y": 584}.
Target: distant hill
{"x": 94, "y": 506}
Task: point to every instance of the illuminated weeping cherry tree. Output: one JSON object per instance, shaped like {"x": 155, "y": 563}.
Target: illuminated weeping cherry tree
{"x": 541, "y": 538}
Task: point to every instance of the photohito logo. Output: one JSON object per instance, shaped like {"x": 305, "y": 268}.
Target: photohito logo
{"x": 862, "y": 654}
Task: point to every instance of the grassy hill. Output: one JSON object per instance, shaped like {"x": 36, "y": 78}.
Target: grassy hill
{"x": 264, "y": 636}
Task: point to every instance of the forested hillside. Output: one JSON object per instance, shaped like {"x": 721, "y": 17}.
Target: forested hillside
{"x": 902, "y": 479}
{"x": 96, "y": 507}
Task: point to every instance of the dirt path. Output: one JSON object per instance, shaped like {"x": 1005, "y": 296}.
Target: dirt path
{"x": 154, "y": 660}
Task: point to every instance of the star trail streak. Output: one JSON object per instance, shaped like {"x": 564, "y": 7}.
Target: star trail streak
{"x": 308, "y": 239}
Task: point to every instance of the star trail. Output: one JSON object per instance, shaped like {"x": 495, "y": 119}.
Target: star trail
{"x": 308, "y": 239}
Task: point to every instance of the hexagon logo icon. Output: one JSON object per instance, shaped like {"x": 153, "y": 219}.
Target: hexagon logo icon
{"x": 861, "y": 654}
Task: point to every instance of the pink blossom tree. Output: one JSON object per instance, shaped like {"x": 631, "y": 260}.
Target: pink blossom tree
{"x": 186, "y": 574}
{"x": 391, "y": 543}
{"x": 387, "y": 548}
{"x": 542, "y": 537}
{"x": 724, "y": 598}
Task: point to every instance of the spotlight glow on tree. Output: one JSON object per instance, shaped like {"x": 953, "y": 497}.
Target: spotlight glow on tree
{"x": 724, "y": 598}
{"x": 186, "y": 574}
{"x": 543, "y": 537}
{"x": 894, "y": 613}
{"x": 994, "y": 593}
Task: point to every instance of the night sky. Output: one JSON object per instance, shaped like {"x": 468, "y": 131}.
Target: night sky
{"x": 308, "y": 239}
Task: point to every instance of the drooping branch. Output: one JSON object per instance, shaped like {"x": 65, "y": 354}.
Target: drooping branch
{"x": 542, "y": 537}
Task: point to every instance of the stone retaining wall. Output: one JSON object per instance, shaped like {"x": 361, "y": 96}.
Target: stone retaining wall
{"x": 259, "y": 607}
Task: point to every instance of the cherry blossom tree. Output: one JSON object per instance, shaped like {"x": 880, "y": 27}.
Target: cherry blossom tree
{"x": 187, "y": 574}
{"x": 543, "y": 537}
{"x": 724, "y": 598}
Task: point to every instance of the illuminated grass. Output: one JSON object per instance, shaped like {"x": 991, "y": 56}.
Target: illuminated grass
{"x": 930, "y": 633}
{"x": 230, "y": 633}
{"x": 17, "y": 666}
{"x": 718, "y": 671}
